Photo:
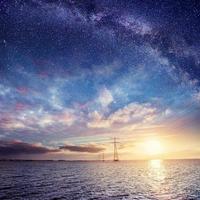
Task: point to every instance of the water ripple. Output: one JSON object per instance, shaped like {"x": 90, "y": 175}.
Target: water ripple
{"x": 158, "y": 180}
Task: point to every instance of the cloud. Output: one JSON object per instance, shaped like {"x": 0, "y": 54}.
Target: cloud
{"x": 4, "y": 90}
{"x": 106, "y": 70}
{"x": 20, "y": 106}
{"x": 83, "y": 148}
{"x": 66, "y": 117}
{"x": 105, "y": 98}
{"x": 97, "y": 121}
{"x": 196, "y": 97}
{"x": 9, "y": 148}
{"x": 55, "y": 100}
{"x": 134, "y": 113}
{"x": 25, "y": 118}
{"x": 22, "y": 90}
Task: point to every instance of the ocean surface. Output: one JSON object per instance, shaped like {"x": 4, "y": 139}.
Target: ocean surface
{"x": 162, "y": 180}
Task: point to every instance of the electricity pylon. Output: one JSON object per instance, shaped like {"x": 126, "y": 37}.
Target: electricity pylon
{"x": 116, "y": 158}
{"x": 102, "y": 157}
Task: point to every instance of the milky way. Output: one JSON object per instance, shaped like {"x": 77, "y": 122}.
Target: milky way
{"x": 93, "y": 68}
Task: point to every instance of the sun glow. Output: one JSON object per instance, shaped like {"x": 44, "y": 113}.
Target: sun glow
{"x": 153, "y": 147}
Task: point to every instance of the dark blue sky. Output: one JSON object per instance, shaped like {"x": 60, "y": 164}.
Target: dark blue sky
{"x": 71, "y": 69}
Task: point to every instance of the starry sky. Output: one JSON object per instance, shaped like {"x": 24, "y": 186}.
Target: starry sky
{"x": 74, "y": 74}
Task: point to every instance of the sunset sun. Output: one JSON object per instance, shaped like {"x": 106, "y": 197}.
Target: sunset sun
{"x": 153, "y": 147}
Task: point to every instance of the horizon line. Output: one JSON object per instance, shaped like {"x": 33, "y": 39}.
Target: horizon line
{"x": 62, "y": 160}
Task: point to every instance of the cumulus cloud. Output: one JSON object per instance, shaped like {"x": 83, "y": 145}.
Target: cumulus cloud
{"x": 134, "y": 113}
{"x": 9, "y": 148}
{"x": 91, "y": 148}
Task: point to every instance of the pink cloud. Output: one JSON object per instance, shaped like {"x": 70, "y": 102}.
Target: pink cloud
{"x": 20, "y": 106}
{"x": 43, "y": 74}
{"x": 23, "y": 90}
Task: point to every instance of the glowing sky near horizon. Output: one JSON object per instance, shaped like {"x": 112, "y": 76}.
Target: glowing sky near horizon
{"x": 74, "y": 74}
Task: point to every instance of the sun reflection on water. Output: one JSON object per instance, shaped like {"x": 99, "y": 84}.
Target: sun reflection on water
{"x": 156, "y": 170}
{"x": 157, "y": 179}
{"x": 155, "y": 164}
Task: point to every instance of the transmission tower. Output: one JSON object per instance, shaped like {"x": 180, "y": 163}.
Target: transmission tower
{"x": 116, "y": 158}
{"x": 103, "y": 157}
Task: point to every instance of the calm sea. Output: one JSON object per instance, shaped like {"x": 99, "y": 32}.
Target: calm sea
{"x": 162, "y": 180}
